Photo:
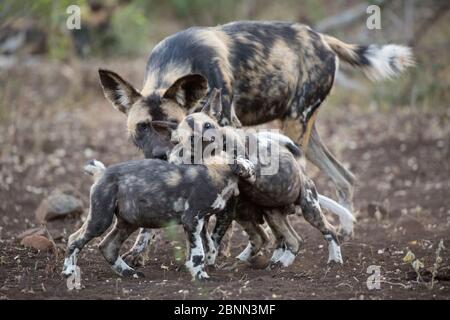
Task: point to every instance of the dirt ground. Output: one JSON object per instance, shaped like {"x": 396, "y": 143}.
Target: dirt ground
{"x": 57, "y": 118}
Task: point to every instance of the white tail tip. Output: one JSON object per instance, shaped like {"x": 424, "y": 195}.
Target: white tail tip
{"x": 387, "y": 61}
{"x": 94, "y": 167}
{"x": 346, "y": 218}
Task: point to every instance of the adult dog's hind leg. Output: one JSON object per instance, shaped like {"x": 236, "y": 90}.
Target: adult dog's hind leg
{"x": 320, "y": 156}
{"x": 138, "y": 254}
{"x": 110, "y": 247}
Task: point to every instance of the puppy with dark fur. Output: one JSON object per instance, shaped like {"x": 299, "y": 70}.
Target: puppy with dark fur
{"x": 153, "y": 194}
{"x": 284, "y": 189}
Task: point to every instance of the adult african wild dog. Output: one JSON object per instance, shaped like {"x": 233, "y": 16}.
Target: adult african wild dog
{"x": 266, "y": 70}
{"x": 153, "y": 193}
{"x": 279, "y": 192}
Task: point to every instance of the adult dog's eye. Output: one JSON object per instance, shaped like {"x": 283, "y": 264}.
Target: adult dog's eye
{"x": 143, "y": 126}
{"x": 207, "y": 125}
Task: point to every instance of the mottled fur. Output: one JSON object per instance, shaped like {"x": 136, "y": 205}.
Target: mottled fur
{"x": 154, "y": 194}
{"x": 266, "y": 70}
{"x": 276, "y": 194}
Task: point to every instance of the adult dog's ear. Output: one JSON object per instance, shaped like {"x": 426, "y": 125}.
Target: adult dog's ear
{"x": 121, "y": 94}
{"x": 188, "y": 90}
{"x": 213, "y": 107}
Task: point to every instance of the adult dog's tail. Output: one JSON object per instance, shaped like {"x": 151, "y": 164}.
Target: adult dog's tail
{"x": 346, "y": 218}
{"x": 377, "y": 62}
{"x": 94, "y": 168}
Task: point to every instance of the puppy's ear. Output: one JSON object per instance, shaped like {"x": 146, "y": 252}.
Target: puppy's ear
{"x": 213, "y": 107}
{"x": 188, "y": 90}
{"x": 121, "y": 94}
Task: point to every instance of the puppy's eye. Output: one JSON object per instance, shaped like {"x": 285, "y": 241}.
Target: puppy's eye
{"x": 143, "y": 126}
{"x": 207, "y": 126}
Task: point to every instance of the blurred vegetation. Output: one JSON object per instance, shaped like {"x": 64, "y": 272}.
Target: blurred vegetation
{"x": 130, "y": 28}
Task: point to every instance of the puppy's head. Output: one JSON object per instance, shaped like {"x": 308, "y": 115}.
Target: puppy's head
{"x": 199, "y": 130}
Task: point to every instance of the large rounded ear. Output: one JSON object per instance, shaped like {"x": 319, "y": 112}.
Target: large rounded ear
{"x": 213, "y": 107}
{"x": 121, "y": 94}
{"x": 188, "y": 90}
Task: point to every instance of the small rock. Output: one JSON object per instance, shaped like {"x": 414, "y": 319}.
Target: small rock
{"x": 33, "y": 231}
{"x": 259, "y": 262}
{"x": 410, "y": 225}
{"x": 37, "y": 242}
{"x": 377, "y": 211}
{"x": 57, "y": 205}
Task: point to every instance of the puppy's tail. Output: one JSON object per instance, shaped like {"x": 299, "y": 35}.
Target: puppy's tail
{"x": 94, "y": 168}
{"x": 346, "y": 218}
{"x": 377, "y": 62}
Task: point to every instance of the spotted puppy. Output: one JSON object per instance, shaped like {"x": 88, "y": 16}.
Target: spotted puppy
{"x": 283, "y": 191}
{"x": 153, "y": 194}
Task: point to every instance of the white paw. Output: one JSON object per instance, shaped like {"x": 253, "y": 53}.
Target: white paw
{"x": 68, "y": 268}
{"x": 246, "y": 254}
{"x": 334, "y": 252}
{"x": 287, "y": 258}
{"x": 277, "y": 254}
{"x": 211, "y": 257}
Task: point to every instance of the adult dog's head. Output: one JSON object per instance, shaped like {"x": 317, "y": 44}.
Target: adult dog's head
{"x": 151, "y": 118}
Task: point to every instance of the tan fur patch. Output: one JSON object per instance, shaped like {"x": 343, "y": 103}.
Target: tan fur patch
{"x": 171, "y": 73}
{"x": 293, "y": 129}
{"x": 192, "y": 173}
{"x": 309, "y": 125}
{"x": 138, "y": 113}
{"x": 173, "y": 178}
{"x": 217, "y": 171}
{"x": 220, "y": 42}
{"x": 173, "y": 110}
{"x": 284, "y": 56}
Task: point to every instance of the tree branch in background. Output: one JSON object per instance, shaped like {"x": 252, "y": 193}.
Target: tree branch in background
{"x": 345, "y": 18}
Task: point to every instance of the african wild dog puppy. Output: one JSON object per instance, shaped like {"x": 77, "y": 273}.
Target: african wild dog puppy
{"x": 286, "y": 190}
{"x": 266, "y": 70}
{"x": 153, "y": 194}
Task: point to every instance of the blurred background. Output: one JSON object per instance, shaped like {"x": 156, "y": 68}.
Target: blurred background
{"x": 32, "y": 31}
{"x": 394, "y": 135}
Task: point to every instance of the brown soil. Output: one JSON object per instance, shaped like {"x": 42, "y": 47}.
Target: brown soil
{"x": 401, "y": 159}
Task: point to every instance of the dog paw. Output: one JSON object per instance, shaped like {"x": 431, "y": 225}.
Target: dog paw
{"x": 132, "y": 274}
{"x": 202, "y": 276}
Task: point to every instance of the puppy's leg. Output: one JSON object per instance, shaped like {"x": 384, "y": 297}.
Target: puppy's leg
{"x": 280, "y": 245}
{"x": 138, "y": 254}
{"x": 195, "y": 263}
{"x": 279, "y": 223}
{"x": 110, "y": 247}
{"x": 208, "y": 244}
{"x": 223, "y": 229}
{"x": 98, "y": 221}
{"x": 257, "y": 239}
{"x": 312, "y": 212}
